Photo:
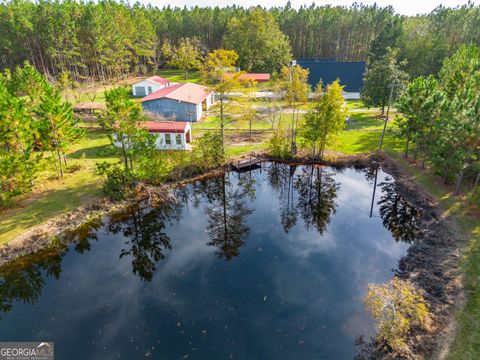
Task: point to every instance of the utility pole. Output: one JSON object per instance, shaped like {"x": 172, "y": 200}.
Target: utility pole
{"x": 392, "y": 87}
{"x": 294, "y": 144}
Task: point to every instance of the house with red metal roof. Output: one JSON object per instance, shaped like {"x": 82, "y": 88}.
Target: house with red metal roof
{"x": 168, "y": 135}
{"x": 150, "y": 85}
{"x": 179, "y": 102}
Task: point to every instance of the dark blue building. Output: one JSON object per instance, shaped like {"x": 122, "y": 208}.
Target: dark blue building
{"x": 350, "y": 73}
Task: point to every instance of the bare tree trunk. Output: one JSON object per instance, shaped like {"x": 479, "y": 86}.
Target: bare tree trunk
{"x": 459, "y": 181}
{"x": 415, "y": 152}
{"x": 407, "y": 144}
{"x": 445, "y": 173}
{"x": 60, "y": 162}
{"x": 477, "y": 180}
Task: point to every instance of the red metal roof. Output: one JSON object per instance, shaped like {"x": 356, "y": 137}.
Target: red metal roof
{"x": 258, "y": 77}
{"x": 158, "y": 79}
{"x": 165, "y": 126}
{"x": 187, "y": 92}
{"x": 161, "y": 93}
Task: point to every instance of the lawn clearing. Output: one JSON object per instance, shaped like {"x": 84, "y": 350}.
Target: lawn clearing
{"x": 52, "y": 196}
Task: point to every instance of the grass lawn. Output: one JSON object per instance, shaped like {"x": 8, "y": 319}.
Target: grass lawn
{"x": 178, "y": 76}
{"x": 58, "y": 197}
{"x": 243, "y": 149}
{"x": 52, "y": 196}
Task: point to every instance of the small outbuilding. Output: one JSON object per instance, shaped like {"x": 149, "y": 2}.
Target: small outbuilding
{"x": 179, "y": 102}
{"x": 150, "y": 85}
{"x": 170, "y": 135}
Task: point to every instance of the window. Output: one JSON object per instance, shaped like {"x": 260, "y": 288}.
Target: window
{"x": 168, "y": 139}
{"x": 150, "y": 90}
{"x": 139, "y": 91}
{"x": 178, "y": 139}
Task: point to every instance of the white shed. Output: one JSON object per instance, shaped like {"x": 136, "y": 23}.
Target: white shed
{"x": 150, "y": 85}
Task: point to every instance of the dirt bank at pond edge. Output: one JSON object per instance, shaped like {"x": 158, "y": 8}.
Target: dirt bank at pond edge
{"x": 431, "y": 262}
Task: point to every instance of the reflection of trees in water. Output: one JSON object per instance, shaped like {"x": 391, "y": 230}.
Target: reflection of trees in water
{"x": 146, "y": 238}
{"x": 371, "y": 173}
{"x": 83, "y": 235}
{"x": 23, "y": 279}
{"x": 398, "y": 215}
{"x": 317, "y": 191}
{"x": 281, "y": 178}
{"x": 227, "y": 212}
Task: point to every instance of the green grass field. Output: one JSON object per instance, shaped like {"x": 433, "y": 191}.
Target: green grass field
{"x": 52, "y": 196}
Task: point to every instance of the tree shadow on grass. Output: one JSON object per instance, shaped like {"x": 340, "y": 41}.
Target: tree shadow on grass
{"x": 95, "y": 152}
{"x": 360, "y": 121}
{"x": 370, "y": 140}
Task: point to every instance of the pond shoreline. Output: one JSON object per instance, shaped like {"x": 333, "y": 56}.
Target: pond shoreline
{"x": 431, "y": 262}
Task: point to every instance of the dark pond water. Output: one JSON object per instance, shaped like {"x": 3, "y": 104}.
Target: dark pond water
{"x": 268, "y": 264}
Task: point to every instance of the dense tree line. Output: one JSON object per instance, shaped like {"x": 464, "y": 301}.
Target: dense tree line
{"x": 442, "y": 118}
{"x": 100, "y": 40}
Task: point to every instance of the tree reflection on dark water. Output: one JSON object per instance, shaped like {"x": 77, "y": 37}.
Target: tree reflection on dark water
{"x": 23, "y": 279}
{"x": 316, "y": 192}
{"x": 398, "y": 215}
{"x": 84, "y": 234}
{"x": 227, "y": 211}
{"x": 144, "y": 229}
{"x": 281, "y": 178}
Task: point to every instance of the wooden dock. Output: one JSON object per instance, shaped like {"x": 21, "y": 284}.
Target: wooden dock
{"x": 245, "y": 164}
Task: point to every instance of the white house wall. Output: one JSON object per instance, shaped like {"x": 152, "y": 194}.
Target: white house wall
{"x": 161, "y": 143}
{"x": 209, "y": 101}
{"x": 145, "y": 84}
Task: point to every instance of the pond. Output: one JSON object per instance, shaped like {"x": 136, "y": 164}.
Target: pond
{"x": 267, "y": 264}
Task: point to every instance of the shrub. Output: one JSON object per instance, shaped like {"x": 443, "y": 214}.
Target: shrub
{"x": 396, "y": 307}
{"x": 209, "y": 149}
{"x": 279, "y": 145}
{"x": 154, "y": 167}
{"x": 14, "y": 177}
{"x": 119, "y": 182}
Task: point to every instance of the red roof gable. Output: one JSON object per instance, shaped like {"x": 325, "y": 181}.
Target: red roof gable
{"x": 161, "y": 93}
{"x": 187, "y": 92}
{"x": 158, "y": 79}
{"x": 165, "y": 126}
